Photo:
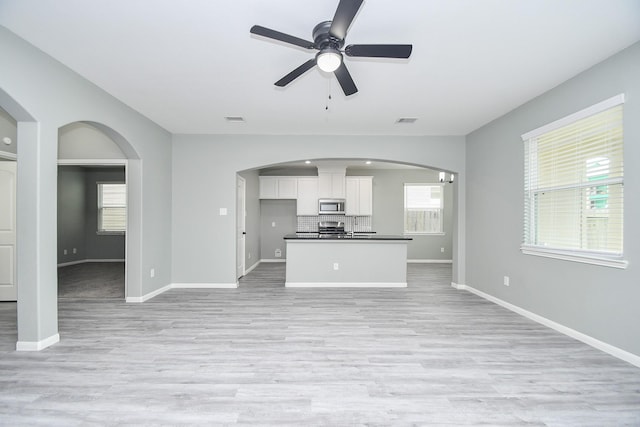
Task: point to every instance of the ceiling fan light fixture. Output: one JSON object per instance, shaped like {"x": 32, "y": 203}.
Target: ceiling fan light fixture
{"x": 329, "y": 59}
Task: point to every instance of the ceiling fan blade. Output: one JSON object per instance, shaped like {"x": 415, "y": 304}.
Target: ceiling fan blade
{"x": 345, "y": 13}
{"x": 379, "y": 50}
{"x": 296, "y": 73}
{"x": 345, "y": 80}
{"x": 277, "y": 35}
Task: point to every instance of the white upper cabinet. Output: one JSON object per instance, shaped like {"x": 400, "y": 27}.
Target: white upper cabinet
{"x": 308, "y": 196}
{"x": 331, "y": 185}
{"x": 278, "y": 187}
{"x": 359, "y": 195}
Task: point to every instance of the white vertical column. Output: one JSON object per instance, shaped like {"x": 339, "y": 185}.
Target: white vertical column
{"x": 36, "y": 236}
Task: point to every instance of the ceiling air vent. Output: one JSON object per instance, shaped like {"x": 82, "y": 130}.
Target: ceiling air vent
{"x": 234, "y": 119}
{"x": 406, "y": 120}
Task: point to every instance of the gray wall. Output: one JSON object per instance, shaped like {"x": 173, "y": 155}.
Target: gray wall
{"x": 43, "y": 96}
{"x": 78, "y": 215}
{"x": 203, "y": 240}
{"x": 388, "y": 209}
{"x": 283, "y": 214}
{"x": 72, "y": 201}
{"x": 601, "y": 302}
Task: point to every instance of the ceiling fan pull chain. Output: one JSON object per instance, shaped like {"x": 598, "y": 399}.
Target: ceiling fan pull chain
{"x": 328, "y": 94}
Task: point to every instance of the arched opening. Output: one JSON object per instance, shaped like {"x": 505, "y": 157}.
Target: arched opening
{"x": 270, "y": 217}
{"x": 98, "y": 172}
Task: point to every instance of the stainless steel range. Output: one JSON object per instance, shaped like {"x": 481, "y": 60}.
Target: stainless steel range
{"x": 331, "y": 228}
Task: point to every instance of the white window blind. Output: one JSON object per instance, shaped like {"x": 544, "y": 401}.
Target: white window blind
{"x": 574, "y": 177}
{"x": 112, "y": 208}
{"x": 423, "y": 209}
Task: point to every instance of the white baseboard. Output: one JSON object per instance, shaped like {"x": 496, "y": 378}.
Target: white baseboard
{"x": 83, "y": 261}
{"x": 148, "y": 296}
{"x": 429, "y": 261}
{"x": 164, "y": 289}
{"x": 345, "y": 285}
{"x": 204, "y": 285}
{"x": 274, "y": 260}
{"x": 250, "y": 269}
{"x": 593, "y": 342}
{"x": 37, "y": 345}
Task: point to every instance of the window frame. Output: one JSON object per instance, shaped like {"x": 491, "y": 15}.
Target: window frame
{"x": 595, "y": 257}
{"x": 404, "y": 210}
{"x": 99, "y": 229}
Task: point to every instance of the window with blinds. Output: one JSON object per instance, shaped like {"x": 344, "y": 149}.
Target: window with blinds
{"x": 574, "y": 180}
{"x": 423, "y": 209}
{"x": 112, "y": 208}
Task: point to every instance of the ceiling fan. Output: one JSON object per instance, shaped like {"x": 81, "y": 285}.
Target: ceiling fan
{"x": 328, "y": 39}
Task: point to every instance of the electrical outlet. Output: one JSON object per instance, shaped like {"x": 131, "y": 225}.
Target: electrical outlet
{"x": 506, "y": 280}
{"x": 75, "y": 250}
{"x": 249, "y": 257}
{"x": 152, "y": 272}
{"x": 278, "y": 253}
{"x": 64, "y": 252}
{"x": 336, "y": 266}
{"x": 442, "y": 250}
{"x": 273, "y": 224}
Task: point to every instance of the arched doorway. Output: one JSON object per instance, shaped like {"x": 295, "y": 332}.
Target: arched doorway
{"x": 267, "y": 220}
{"x": 92, "y": 146}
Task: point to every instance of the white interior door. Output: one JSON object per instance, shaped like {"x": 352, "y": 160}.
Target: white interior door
{"x": 240, "y": 225}
{"x": 8, "y": 291}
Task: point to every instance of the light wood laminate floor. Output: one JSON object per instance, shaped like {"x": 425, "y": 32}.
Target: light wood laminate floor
{"x": 263, "y": 354}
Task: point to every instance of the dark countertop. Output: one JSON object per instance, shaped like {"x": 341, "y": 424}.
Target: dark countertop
{"x": 355, "y": 236}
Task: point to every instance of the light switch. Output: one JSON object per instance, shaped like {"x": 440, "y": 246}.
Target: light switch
{"x": 223, "y": 211}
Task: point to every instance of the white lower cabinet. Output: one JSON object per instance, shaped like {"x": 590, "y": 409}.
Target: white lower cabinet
{"x": 359, "y": 195}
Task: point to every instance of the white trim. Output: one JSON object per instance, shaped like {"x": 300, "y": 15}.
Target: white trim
{"x": 429, "y": 261}
{"x": 575, "y": 257}
{"x": 149, "y": 295}
{"x": 203, "y": 285}
{"x": 170, "y": 286}
{"x": 345, "y": 284}
{"x": 83, "y": 261}
{"x": 274, "y": 260}
{"x": 7, "y": 155}
{"x": 93, "y": 162}
{"x": 589, "y": 340}
{"x": 458, "y": 286}
{"x": 250, "y": 269}
{"x": 589, "y": 111}
{"x": 37, "y": 345}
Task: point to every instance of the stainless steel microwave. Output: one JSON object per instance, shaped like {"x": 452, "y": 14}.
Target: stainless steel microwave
{"x": 331, "y": 207}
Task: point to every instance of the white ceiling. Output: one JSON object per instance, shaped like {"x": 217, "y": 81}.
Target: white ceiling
{"x": 188, "y": 64}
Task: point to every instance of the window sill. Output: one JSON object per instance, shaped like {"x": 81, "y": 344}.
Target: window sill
{"x": 594, "y": 259}
{"x": 422, "y": 234}
{"x": 110, "y": 233}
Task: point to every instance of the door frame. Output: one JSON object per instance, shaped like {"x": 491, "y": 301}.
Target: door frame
{"x": 241, "y": 226}
{"x": 110, "y": 162}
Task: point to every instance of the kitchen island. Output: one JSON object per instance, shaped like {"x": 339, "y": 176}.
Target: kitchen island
{"x": 349, "y": 260}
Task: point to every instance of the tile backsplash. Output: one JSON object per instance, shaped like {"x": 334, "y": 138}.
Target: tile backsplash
{"x": 351, "y": 223}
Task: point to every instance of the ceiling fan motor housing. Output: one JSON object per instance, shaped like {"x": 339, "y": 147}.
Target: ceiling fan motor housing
{"x": 322, "y": 39}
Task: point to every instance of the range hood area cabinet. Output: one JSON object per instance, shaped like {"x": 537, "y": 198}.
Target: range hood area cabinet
{"x": 278, "y": 187}
{"x": 359, "y": 195}
{"x": 306, "y": 190}
{"x": 331, "y": 185}
{"x": 307, "y": 196}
